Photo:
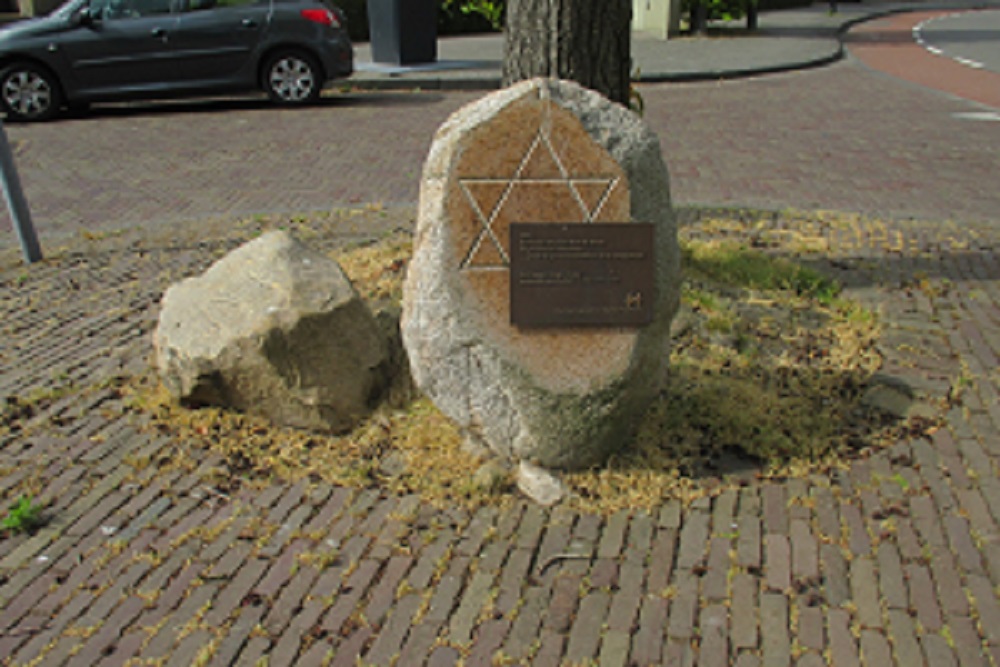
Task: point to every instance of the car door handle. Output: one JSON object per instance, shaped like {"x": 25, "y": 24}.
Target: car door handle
{"x": 158, "y": 32}
{"x": 248, "y": 23}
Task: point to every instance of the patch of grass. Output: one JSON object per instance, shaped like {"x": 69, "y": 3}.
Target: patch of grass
{"x": 768, "y": 363}
{"x": 732, "y": 264}
{"x": 24, "y": 516}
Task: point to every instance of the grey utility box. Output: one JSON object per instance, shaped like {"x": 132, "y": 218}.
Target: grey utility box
{"x": 403, "y": 32}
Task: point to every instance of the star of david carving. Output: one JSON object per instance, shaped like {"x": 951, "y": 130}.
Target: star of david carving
{"x": 541, "y": 167}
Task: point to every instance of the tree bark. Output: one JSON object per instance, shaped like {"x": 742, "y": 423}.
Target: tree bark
{"x": 587, "y": 41}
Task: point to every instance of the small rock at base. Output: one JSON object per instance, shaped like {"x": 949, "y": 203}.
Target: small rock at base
{"x": 539, "y": 484}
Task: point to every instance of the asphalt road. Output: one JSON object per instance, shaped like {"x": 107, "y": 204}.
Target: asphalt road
{"x": 971, "y": 38}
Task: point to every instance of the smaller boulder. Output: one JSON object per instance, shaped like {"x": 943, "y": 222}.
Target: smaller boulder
{"x": 276, "y": 330}
{"x": 539, "y": 484}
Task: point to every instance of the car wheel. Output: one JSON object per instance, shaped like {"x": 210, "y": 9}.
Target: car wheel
{"x": 29, "y": 92}
{"x": 292, "y": 77}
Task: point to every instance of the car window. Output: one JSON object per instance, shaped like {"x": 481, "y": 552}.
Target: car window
{"x": 113, "y": 10}
{"x": 200, "y": 5}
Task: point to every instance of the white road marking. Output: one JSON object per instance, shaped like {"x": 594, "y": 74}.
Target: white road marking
{"x": 918, "y": 37}
{"x": 978, "y": 115}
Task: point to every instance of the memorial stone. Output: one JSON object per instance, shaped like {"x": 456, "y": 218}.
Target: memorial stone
{"x": 553, "y": 393}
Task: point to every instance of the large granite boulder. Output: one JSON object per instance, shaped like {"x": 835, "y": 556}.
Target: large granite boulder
{"x": 277, "y": 330}
{"x": 540, "y": 151}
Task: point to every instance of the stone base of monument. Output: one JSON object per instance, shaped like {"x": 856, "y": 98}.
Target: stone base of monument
{"x": 567, "y": 384}
{"x": 276, "y": 330}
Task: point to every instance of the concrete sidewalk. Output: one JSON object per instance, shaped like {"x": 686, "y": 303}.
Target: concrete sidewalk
{"x": 785, "y": 40}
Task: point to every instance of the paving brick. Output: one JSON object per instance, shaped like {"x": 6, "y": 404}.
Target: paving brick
{"x": 713, "y": 630}
{"x": 684, "y": 609}
{"x": 585, "y": 634}
{"x": 715, "y": 583}
{"x": 466, "y": 616}
{"x": 678, "y": 652}
{"x": 346, "y": 655}
{"x": 640, "y": 536}
{"x": 975, "y": 508}
{"x": 724, "y": 512}
{"x": 562, "y": 605}
{"x": 418, "y": 644}
{"x": 670, "y": 515}
{"x": 923, "y": 599}
{"x": 555, "y": 541}
{"x": 626, "y": 600}
{"x": 693, "y": 541}
{"x": 966, "y": 642}
{"x": 661, "y": 560}
{"x": 962, "y": 545}
{"x": 447, "y": 590}
{"x": 810, "y": 630}
{"x": 843, "y": 648}
{"x": 388, "y": 643}
{"x": 937, "y": 651}
{"x": 280, "y": 570}
{"x": 475, "y": 534}
{"x": 531, "y": 527}
{"x": 512, "y": 579}
{"x": 864, "y": 590}
{"x": 949, "y": 586}
{"x": 836, "y": 584}
{"x": 907, "y": 541}
{"x": 488, "y": 641}
{"x": 443, "y": 656}
{"x": 890, "y": 569}
{"x": 526, "y": 628}
{"x": 775, "y": 642}
{"x": 290, "y": 600}
{"x": 875, "y": 649}
{"x": 745, "y": 613}
{"x": 350, "y": 595}
{"x": 551, "y": 650}
{"x": 748, "y": 543}
{"x": 614, "y": 649}
{"x": 805, "y": 551}
{"x": 430, "y": 556}
{"x": 778, "y": 562}
{"x": 647, "y": 640}
{"x": 810, "y": 660}
{"x": 984, "y": 599}
{"x": 613, "y": 536}
{"x": 775, "y": 509}
{"x": 926, "y": 521}
{"x": 857, "y": 535}
{"x": 904, "y": 639}
{"x": 384, "y": 594}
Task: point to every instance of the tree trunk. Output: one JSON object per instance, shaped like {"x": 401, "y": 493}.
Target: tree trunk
{"x": 587, "y": 41}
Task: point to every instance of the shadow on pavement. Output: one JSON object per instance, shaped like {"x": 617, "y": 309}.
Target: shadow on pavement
{"x": 332, "y": 100}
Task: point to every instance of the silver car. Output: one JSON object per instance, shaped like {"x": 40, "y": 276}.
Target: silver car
{"x": 98, "y": 50}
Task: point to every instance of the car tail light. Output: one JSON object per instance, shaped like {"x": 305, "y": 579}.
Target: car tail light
{"x": 324, "y": 16}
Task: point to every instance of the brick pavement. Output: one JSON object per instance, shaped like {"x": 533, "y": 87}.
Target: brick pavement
{"x": 843, "y": 138}
{"x": 893, "y": 559}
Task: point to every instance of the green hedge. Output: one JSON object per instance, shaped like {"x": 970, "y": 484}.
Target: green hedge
{"x": 451, "y": 20}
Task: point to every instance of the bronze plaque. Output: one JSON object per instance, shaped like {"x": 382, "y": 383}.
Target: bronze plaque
{"x": 576, "y": 275}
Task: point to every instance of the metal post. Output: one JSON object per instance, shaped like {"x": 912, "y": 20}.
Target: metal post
{"x": 16, "y": 202}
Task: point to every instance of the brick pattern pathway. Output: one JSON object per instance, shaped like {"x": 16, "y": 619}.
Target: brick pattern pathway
{"x": 894, "y": 559}
{"x": 843, "y": 138}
